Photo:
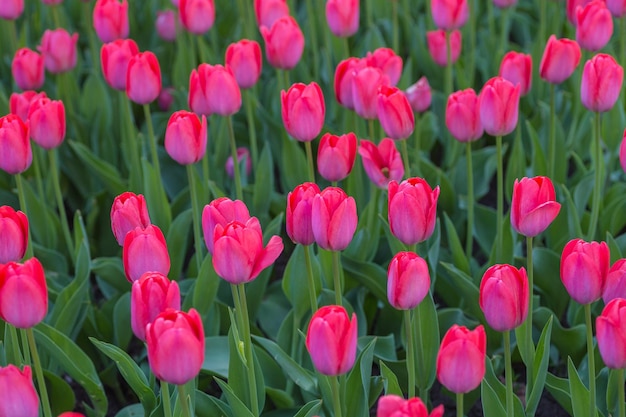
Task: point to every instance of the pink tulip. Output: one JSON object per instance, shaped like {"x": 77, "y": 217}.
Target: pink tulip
{"x": 395, "y": 406}
{"x": 463, "y": 116}
{"x": 11, "y": 9}
{"x": 336, "y": 156}
{"x": 23, "y": 293}
{"x": 284, "y": 43}
{"x": 594, "y": 25}
{"x": 615, "y": 285}
{"x": 343, "y": 80}
{"x": 533, "y": 207}
{"x": 197, "y": 16}
{"x": 17, "y": 392}
{"x": 27, "y": 69}
{"x": 47, "y": 122}
{"x": 570, "y": 9}
{"x": 214, "y": 90}
{"x": 365, "y": 85}
{"x": 186, "y": 137}
{"x": 499, "y": 106}
{"x": 298, "y": 213}
{"x": 386, "y": 60}
{"x": 269, "y": 11}
{"x": 244, "y": 59}
{"x": 14, "y": 232}
{"x": 165, "y": 98}
{"x": 128, "y": 212}
{"x": 395, "y": 113}
{"x": 114, "y": 59}
{"x": 71, "y": 414}
{"x": 382, "y": 163}
{"x": 449, "y": 14}
{"x": 419, "y": 95}
{"x": 611, "y": 334}
{"x": 332, "y": 340}
{"x": 167, "y": 25}
{"x": 504, "y": 297}
{"x": 437, "y": 46}
{"x": 461, "y": 359}
{"x": 412, "y": 210}
{"x": 601, "y": 83}
{"x": 408, "y": 280}
{"x": 518, "y": 68}
{"x": 17, "y": 154}
{"x": 303, "y": 111}
{"x": 584, "y": 267}
{"x": 334, "y": 219}
{"x": 58, "y": 48}
{"x": 143, "y": 78}
{"x": 559, "y": 60}
{"x": 243, "y": 155}
{"x": 221, "y": 211}
{"x": 617, "y": 7}
{"x": 145, "y": 250}
{"x": 19, "y": 104}
{"x": 151, "y": 295}
{"x": 343, "y": 17}
{"x": 110, "y": 20}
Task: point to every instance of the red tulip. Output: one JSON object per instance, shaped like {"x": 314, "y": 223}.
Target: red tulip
{"x": 214, "y": 90}
{"x": 244, "y": 59}
{"x": 167, "y": 25}
{"x": 533, "y": 206}
{"x": 243, "y": 155}
{"x": 559, "y": 60}
{"x": 518, "y": 68}
{"x": 622, "y": 152}
{"x": 197, "y": 16}
{"x": 343, "y": 80}
{"x": 19, "y": 104}
{"x": 504, "y": 297}
{"x": 382, "y": 163}
{"x": 284, "y": 43}
{"x": 611, "y": 334}
{"x": 114, "y": 59}
{"x": 110, "y": 20}
{"x": 17, "y": 154}
{"x": 17, "y": 392}
{"x": 332, "y": 340}
{"x": 584, "y": 267}
{"x": 499, "y": 106}
{"x": 129, "y": 211}
{"x": 463, "y": 116}
{"x": 14, "y": 232}
{"x": 186, "y": 137}
{"x": 449, "y": 14}
{"x": 437, "y": 46}
{"x": 175, "y": 342}
{"x": 615, "y": 285}
{"x": 221, "y": 211}
{"x": 58, "y": 48}
{"x": 395, "y": 113}
{"x": 143, "y": 78}
{"x": 461, "y": 359}
{"x": 408, "y": 281}
{"x": 617, "y": 7}
{"x": 269, "y": 11}
{"x": 386, "y": 60}
{"x": 151, "y": 295}
{"x": 366, "y": 83}
{"x": 412, "y": 210}
{"x": 334, "y": 219}
{"x": 238, "y": 252}
{"x": 11, "y": 9}
{"x": 343, "y": 17}
{"x": 23, "y": 293}
{"x": 303, "y": 111}
{"x": 336, "y": 156}
{"x": 47, "y": 122}
{"x": 145, "y": 250}
{"x": 419, "y": 95}
{"x": 298, "y": 214}
{"x": 27, "y": 69}
{"x": 594, "y": 25}
{"x": 601, "y": 83}
{"x": 395, "y": 406}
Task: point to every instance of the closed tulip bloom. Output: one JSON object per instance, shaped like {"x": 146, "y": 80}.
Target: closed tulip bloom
{"x": 611, "y": 334}
{"x": 143, "y": 78}
{"x": 244, "y": 60}
{"x": 336, "y": 156}
{"x": 504, "y": 297}
{"x": 17, "y": 392}
{"x": 129, "y": 211}
{"x": 243, "y": 156}
{"x": 570, "y": 9}
{"x": 17, "y": 154}
{"x": 382, "y": 162}
{"x": 175, "y": 342}
{"x": 461, "y": 358}
{"x": 412, "y": 210}
{"x": 23, "y": 293}
{"x": 145, "y": 250}
{"x": 334, "y": 219}
{"x": 594, "y": 25}
{"x": 303, "y": 111}
{"x": 499, "y": 106}
{"x": 343, "y": 17}
{"x": 584, "y": 268}
{"x": 387, "y": 61}
{"x": 298, "y": 214}
{"x": 365, "y": 85}
{"x": 284, "y": 43}
{"x": 449, "y": 14}
{"x": 437, "y": 46}
{"x": 269, "y": 11}
{"x": 408, "y": 281}
{"x": 58, "y": 48}
{"x": 518, "y": 68}
{"x": 533, "y": 207}
{"x": 11, "y": 9}
{"x": 221, "y": 211}
{"x": 463, "y": 116}
{"x": 622, "y": 152}
{"x": 214, "y": 90}
{"x": 197, "y": 16}
{"x": 238, "y": 252}
{"x": 419, "y": 95}
{"x": 615, "y": 285}
{"x": 395, "y": 113}
{"x": 14, "y": 232}
{"x": 114, "y": 59}
{"x": 332, "y": 340}
{"x": 343, "y": 80}
{"x": 166, "y": 25}
{"x": 110, "y": 20}
{"x": 559, "y": 60}
{"x": 186, "y": 137}
{"x": 617, "y": 7}
{"x": 19, "y": 103}
{"x": 396, "y": 406}
{"x": 47, "y": 122}
{"x": 151, "y": 295}
{"x": 27, "y": 69}
{"x": 601, "y": 83}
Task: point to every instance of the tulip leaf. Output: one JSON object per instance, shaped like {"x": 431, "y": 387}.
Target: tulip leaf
{"x": 121, "y": 317}
{"x": 295, "y": 281}
{"x": 263, "y": 182}
{"x": 497, "y": 388}
{"x": 615, "y": 383}
{"x": 492, "y": 406}
{"x": 238, "y": 407}
{"x": 540, "y": 368}
{"x": 205, "y": 288}
{"x": 205, "y": 406}
{"x": 309, "y": 409}
{"x": 553, "y": 294}
{"x": 131, "y": 373}
{"x": 107, "y": 173}
{"x": 177, "y": 239}
{"x": 467, "y": 290}
{"x": 133, "y": 410}
{"x": 293, "y": 161}
{"x": 427, "y": 342}
{"x": 156, "y": 200}
{"x": 358, "y": 382}
{"x": 61, "y": 395}
{"x": 614, "y": 249}
{"x": 111, "y": 270}
{"x": 559, "y": 389}
{"x": 369, "y": 274}
{"x": 458, "y": 254}
{"x": 43, "y": 222}
{"x": 579, "y": 393}
{"x": 392, "y": 387}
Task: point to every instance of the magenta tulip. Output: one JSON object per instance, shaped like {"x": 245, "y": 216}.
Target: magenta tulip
{"x": 151, "y": 295}
{"x": 584, "y": 268}
{"x": 23, "y": 293}
{"x": 408, "y": 280}
{"x": 461, "y": 359}
{"x": 412, "y": 210}
{"x": 533, "y": 207}
{"x": 334, "y": 219}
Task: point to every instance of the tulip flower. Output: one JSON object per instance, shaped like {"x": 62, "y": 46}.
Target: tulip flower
{"x": 622, "y": 152}
{"x": 601, "y": 83}
{"x": 47, "y": 122}
{"x": 17, "y": 392}
{"x": 617, "y": 7}
{"x": 449, "y": 14}
{"x": 382, "y": 162}
{"x": 165, "y": 99}
{"x": 504, "y": 296}
{"x": 334, "y": 219}
{"x": 269, "y": 11}
{"x": 143, "y": 78}
{"x": 243, "y": 155}
{"x": 570, "y": 9}
{"x": 19, "y": 104}
{"x": 594, "y": 25}
{"x": 71, "y": 414}
{"x": 438, "y": 49}
{"x": 559, "y": 60}
{"x": 114, "y": 59}
{"x": 412, "y": 208}
{"x": 408, "y": 281}
{"x": 145, "y": 250}
{"x": 11, "y": 9}
{"x": 343, "y": 80}
{"x": 110, "y": 20}
{"x": 343, "y": 17}
{"x": 395, "y": 113}
{"x": 366, "y": 83}
{"x": 238, "y": 252}
{"x": 23, "y": 293}
{"x": 17, "y": 154}
{"x": 611, "y": 334}
{"x": 186, "y": 137}
{"x": 27, "y": 69}
{"x": 615, "y": 285}
{"x": 14, "y": 232}
{"x": 332, "y": 340}
{"x": 244, "y": 60}
{"x": 175, "y": 342}
{"x": 533, "y": 206}
{"x": 58, "y": 48}
{"x": 284, "y": 43}
{"x": 395, "y": 406}
{"x": 221, "y": 211}
{"x": 336, "y": 156}
{"x": 517, "y": 68}
{"x": 584, "y": 268}
{"x": 151, "y": 295}
{"x": 128, "y": 212}
{"x": 386, "y": 60}
{"x": 463, "y": 116}
{"x": 298, "y": 213}
{"x": 214, "y": 90}
{"x": 419, "y": 95}
{"x": 499, "y": 106}
{"x": 167, "y": 25}
{"x": 303, "y": 111}
{"x": 197, "y": 16}
{"x": 461, "y": 359}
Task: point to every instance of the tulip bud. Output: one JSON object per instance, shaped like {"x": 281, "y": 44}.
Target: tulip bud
{"x": 463, "y": 116}
{"x": 343, "y": 80}
{"x": 395, "y": 406}
{"x": 175, "y": 342}
{"x": 386, "y": 60}
{"x": 533, "y": 206}
{"x": 461, "y": 358}
{"x": 167, "y": 25}
{"x": 408, "y": 281}
{"x": 151, "y": 294}
{"x": 601, "y": 83}
{"x": 11, "y": 9}
{"x": 559, "y": 60}
{"x": 58, "y": 48}
{"x": 594, "y": 25}
{"x": 584, "y": 267}
{"x": 114, "y": 59}
{"x": 615, "y": 285}
{"x": 47, "y": 122}
{"x": 419, "y": 95}
{"x": 244, "y": 60}
{"x": 412, "y": 210}
{"x": 238, "y": 252}
{"x": 27, "y": 69}
{"x": 570, "y": 9}
{"x": 382, "y": 163}
{"x": 395, "y": 113}
{"x": 336, "y": 156}
{"x": 15, "y": 144}
{"x": 303, "y": 111}
{"x": 243, "y": 156}
{"x": 298, "y": 215}
{"x": 517, "y": 68}
{"x": 334, "y": 219}
{"x": 128, "y": 212}
{"x": 186, "y": 137}
{"x": 284, "y": 43}
{"x": 23, "y": 293}
{"x": 197, "y": 16}
{"x": 145, "y": 250}
{"x": 449, "y": 15}
{"x": 611, "y": 334}
{"x": 332, "y": 340}
{"x": 110, "y": 20}
{"x": 499, "y": 106}
{"x": 214, "y": 90}
{"x": 504, "y": 297}
{"x": 343, "y": 17}
{"x": 17, "y": 392}
{"x": 617, "y": 7}
{"x": 366, "y": 83}
{"x": 14, "y": 232}
{"x": 269, "y": 11}
{"x": 143, "y": 78}
{"x": 19, "y": 104}
{"x": 221, "y": 211}
{"x": 438, "y": 47}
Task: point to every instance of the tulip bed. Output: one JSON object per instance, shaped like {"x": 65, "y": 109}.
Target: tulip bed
{"x": 401, "y": 208}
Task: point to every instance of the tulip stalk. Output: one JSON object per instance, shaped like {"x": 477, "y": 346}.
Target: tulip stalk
{"x": 195, "y": 210}
{"x": 251, "y": 128}
{"x": 183, "y": 398}
{"x": 448, "y": 80}
{"x": 126, "y": 125}
{"x": 500, "y": 202}
{"x": 25, "y": 348}
{"x": 22, "y": 199}
{"x": 45, "y": 403}
{"x": 472, "y": 35}
{"x": 394, "y": 25}
{"x": 620, "y": 393}
{"x": 469, "y": 241}
{"x": 405, "y": 158}
{"x": 165, "y": 399}
{"x": 508, "y": 373}
{"x": 597, "y": 192}
{"x": 542, "y": 19}
{"x": 418, "y": 139}
{"x": 504, "y": 32}
{"x": 459, "y": 405}
{"x": 552, "y": 140}
{"x": 372, "y": 215}
{"x": 334, "y": 386}
{"x": 241, "y": 309}
{"x": 529, "y": 318}
{"x": 153, "y": 141}
{"x": 37, "y": 163}
{"x": 310, "y": 277}
{"x": 591, "y": 363}
{"x": 233, "y": 151}
{"x": 410, "y": 352}
{"x": 309, "y": 160}
{"x": 54, "y": 171}
{"x": 13, "y": 35}
{"x": 337, "y": 277}
{"x": 314, "y": 41}
{"x": 14, "y": 355}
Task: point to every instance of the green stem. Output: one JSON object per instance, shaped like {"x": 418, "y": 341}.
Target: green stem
{"x": 88, "y": 28}
{"x": 334, "y": 382}
{"x": 26, "y": 349}
{"x": 491, "y": 20}
{"x": 620, "y": 392}
{"x": 251, "y": 129}
{"x": 508, "y": 373}
{"x": 346, "y": 48}
{"x": 542, "y": 20}
{"x": 337, "y": 277}
{"x": 195, "y": 209}
{"x": 416, "y": 324}
{"x": 372, "y": 219}
{"x": 529, "y": 318}
{"x": 394, "y": 25}
{"x": 17, "y": 357}
{"x": 309, "y": 160}
{"x": 22, "y": 199}
{"x": 405, "y": 158}
{"x": 369, "y": 13}
{"x": 205, "y": 161}
{"x": 597, "y": 189}
{"x": 459, "y": 405}
{"x": 449, "y": 83}
{"x": 504, "y": 34}
{"x": 153, "y": 140}
{"x": 182, "y": 397}
{"x": 45, "y": 403}
{"x": 54, "y": 171}
{"x": 310, "y": 8}
{"x": 165, "y": 398}
{"x": 254, "y": 402}
{"x": 233, "y": 152}
{"x": 126, "y": 131}
{"x": 552, "y": 145}
{"x": 371, "y": 129}
{"x": 310, "y": 277}
{"x": 472, "y": 32}
{"x": 469, "y": 240}
{"x": 591, "y": 362}
{"x": 417, "y": 144}
{"x": 500, "y": 202}
{"x": 55, "y": 16}
{"x": 410, "y": 352}
{"x": 13, "y": 34}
